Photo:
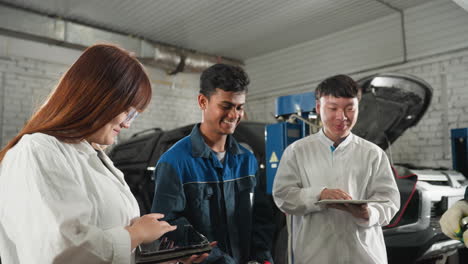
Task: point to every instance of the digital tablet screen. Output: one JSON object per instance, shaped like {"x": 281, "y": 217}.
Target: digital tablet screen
{"x": 184, "y": 237}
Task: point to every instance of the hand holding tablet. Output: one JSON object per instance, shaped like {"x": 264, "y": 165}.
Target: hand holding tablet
{"x": 181, "y": 243}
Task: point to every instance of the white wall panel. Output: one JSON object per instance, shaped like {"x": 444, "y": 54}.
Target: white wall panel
{"x": 436, "y": 27}
{"x": 432, "y": 28}
{"x": 30, "y": 70}
{"x": 237, "y": 29}
{"x": 437, "y": 46}
{"x": 368, "y": 45}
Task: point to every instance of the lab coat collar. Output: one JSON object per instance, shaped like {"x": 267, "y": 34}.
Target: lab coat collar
{"x": 99, "y": 157}
{"x": 329, "y": 142}
{"x": 85, "y": 147}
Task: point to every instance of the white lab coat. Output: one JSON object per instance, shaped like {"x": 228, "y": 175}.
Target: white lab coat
{"x": 322, "y": 235}
{"x": 59, "y": 203}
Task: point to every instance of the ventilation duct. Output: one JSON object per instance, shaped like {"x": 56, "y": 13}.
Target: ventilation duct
{"x": 26, "y": 24}
{"x": 175, "y": 60}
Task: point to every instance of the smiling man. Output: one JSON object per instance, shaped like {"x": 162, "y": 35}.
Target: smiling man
{"x": 335, "y": 164}
{"x": 208, "y": 180}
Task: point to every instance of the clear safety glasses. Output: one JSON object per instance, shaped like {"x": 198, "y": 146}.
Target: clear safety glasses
{"x": 131, "y": 115}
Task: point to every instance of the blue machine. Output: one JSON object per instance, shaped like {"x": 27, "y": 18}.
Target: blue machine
{"x": 460, "y": 150}
{"x": 297, "y": 109}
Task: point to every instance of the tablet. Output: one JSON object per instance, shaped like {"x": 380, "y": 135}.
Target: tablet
{"x": 183, "y": 242}
{"x": 350, "y": 201}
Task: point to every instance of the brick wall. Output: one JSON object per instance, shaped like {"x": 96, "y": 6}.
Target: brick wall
{"x": 428, "y": 143}
{"x": 25, "y": 83}
{"x": 30, "y": 70}
{"x": 174, "y": 102}
{"x": 436, "y": 38}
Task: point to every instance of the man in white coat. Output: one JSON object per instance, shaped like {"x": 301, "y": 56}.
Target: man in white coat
{"x": 336, "y": 164}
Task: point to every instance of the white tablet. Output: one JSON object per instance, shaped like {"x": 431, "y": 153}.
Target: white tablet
{"x": 350, "y": 201}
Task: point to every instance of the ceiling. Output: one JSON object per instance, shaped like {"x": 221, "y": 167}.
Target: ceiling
{"x": 238, "y": 29}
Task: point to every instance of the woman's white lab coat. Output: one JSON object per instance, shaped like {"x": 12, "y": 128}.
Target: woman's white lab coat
{"x": 322, "y": 235}
{"x": 59, "y": 203}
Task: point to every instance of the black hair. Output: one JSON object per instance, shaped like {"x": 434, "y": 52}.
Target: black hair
{"x": 338, "y": 86}
{"x": 228, "y": 78}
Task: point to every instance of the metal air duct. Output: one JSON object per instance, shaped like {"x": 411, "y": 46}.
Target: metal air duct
{"x": 17, "y": 22}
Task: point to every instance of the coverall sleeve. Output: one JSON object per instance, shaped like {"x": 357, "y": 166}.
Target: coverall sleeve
{"x": 263, "y": 224}
{"x": 50, "y": 221}
{"x": 169, "y": 199}
{"x": 169, "y": 196}
{"x": 288, "y": 191}
{"x": 382, "y": 186}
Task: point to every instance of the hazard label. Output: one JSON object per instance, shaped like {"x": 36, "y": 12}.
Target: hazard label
{"x": 273, "y": 157}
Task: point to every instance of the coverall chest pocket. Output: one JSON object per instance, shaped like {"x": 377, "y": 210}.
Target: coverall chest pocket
{"x": 201, "y": 197}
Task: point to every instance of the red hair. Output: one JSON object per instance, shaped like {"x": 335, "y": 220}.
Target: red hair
{"x": 104, "y": 82}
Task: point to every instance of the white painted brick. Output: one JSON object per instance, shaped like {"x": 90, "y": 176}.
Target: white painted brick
{"x": 29, "y": 81}
{"x": 27, "y": 63}
{"x": 455, "y": 61}
{"x": 424, "y": 144}
{"x": 3, "y": 67}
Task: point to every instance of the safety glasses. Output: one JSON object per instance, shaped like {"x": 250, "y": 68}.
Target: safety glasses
{"x": 131, "y": 115}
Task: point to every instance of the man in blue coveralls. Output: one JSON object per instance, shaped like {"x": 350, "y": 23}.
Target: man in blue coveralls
{"x": 208, "y": 180}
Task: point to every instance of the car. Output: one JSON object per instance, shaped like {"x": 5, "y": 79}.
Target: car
{"x": 417, "y": 237}
{"x": 390, "y": 104}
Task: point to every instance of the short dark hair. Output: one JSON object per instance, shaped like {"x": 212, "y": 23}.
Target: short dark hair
{"x": 338, "y": 86}
{"x": 228, "y": 78}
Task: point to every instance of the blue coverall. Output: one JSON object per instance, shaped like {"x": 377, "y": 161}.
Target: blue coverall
{"x": 219, "y": 199}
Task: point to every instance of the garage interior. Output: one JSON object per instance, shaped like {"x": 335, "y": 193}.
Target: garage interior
{"x": 286, "y": 47}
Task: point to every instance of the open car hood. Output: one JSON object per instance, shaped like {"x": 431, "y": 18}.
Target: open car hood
{"x": 390, "y": 104}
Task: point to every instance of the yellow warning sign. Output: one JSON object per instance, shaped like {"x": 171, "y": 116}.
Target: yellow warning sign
{"x": 273, "y": 157}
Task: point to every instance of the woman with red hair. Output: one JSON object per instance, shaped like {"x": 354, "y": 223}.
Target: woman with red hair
{"x": 61, "y": 198}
